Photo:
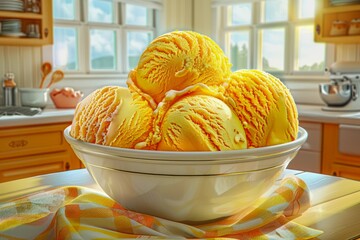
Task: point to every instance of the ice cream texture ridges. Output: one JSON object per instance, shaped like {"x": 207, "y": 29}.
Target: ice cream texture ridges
{"x": 182, "y": 96}
{"x": 177, "y": 60}
{"x": 112, "y": 116}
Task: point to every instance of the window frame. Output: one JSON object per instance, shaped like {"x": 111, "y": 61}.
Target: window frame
{"x": 83, "y": 27}
{"x": 222, "y": 29}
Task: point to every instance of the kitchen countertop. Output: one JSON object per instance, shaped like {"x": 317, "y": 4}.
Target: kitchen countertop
{"x": 335, "y": 201}
{"x": 47, "y": 116}
{"x": 312, "y": 113}
{"x": 315, "y": 113}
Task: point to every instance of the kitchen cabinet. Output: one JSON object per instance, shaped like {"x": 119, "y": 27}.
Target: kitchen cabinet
{"x": 309, "y": 156}
{"x": 32, "y": 150}
{"x": 337, "y": 160}
{"x": 337, "y": 23}
{"x": 43, "y": 19}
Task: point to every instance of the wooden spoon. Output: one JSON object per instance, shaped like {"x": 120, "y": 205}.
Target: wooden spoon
{"x": 45, "y": 70}
{"x": 57, "y": 76}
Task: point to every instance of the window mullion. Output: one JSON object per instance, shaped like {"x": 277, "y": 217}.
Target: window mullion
{"x": 124, "y": 44}
{"x": 254, "y": 46}
{"x": 292, "y": 7}
{"x": 83, "y": 17}
{"x": 115, "y": 12}
{"x": 122, "y": 38}
{"x": 290, "y": 48}
{"x": 78, "y": 10}
{"x": 222, "y": 40}
{"x": 84, "y": 49}
{"x": 257, "y": 13}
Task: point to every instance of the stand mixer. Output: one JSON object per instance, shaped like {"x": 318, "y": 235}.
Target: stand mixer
{"x": 343, "y": 91}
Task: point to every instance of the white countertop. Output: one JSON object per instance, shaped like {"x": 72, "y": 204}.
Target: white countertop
{"x": 315, "y": 113}
{"x": 47, "y": 116}
{"x": 312, "y": 113}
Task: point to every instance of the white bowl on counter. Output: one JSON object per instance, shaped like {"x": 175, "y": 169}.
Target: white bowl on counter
{"x": 34, "y": 97}
{"x": 191, "y": 187}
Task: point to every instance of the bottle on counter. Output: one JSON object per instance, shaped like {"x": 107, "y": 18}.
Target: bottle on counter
{"x": 10, "y": 89}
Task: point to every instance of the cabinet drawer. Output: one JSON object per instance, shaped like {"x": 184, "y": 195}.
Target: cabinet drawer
{"x": 349, "y": 139}
{"x": 34, "y": 140}
{"x": 22, "y": 167}
{"x": 346, "y": 171}
{"x": 306, "y": 161}
{"x": 314, "y": 131}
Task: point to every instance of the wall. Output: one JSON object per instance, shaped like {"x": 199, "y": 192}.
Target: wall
{"x": 348, "y": 52}
{"x": 24, "y": 62}
{"x": 193, "y": 15}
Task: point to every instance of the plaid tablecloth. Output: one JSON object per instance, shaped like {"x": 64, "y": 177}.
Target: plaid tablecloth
{"x": 74, "y": 212}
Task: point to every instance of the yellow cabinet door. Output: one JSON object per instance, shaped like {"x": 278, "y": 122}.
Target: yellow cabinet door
{"x": 334, "y": 23}
{"x": 31, "y": 150}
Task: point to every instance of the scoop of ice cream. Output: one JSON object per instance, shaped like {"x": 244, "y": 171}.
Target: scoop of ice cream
{"x": 195, "y": 119}
{"x": 265, "y": 107}
{"x": 112, "y": 116}
{"x": 177, "y": 60}
{"x": 201, "y": 123}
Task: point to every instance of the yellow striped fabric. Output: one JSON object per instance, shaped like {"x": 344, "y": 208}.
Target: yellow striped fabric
{"x": 74, "y": 212}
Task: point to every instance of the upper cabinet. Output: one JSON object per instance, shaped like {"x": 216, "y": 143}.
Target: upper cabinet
{"x": 26, "y": 22}
{"x": 337, "y": 21}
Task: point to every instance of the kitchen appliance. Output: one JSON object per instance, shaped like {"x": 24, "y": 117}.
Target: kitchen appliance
{"x": 343, "y": 91}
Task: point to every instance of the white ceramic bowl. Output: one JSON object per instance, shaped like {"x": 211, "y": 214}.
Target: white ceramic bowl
{"x": 34, "y": 97}
{"x": 186, "y": 186}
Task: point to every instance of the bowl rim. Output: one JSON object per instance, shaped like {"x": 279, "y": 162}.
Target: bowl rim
{"x": 248, "y": 154}
{"x": 31, "y": 90}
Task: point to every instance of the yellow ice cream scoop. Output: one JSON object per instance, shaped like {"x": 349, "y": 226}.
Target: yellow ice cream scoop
{"x": 201, "y": 123}
{"x": 177, "y": 60}
{"x": 265, "y": 107}
{"x": 112, "y": 116}
{"x": 195, "y": 119}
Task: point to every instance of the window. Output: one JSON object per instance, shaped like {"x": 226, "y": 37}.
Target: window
{"x": 92, "y": 36}
{"x": 239, "y": 49}
{"x": 272, "y": 46}
{"x": 273, "y": 35}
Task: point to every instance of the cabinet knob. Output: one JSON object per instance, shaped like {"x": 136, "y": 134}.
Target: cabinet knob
{"x": 318, "y": 29}
{"x": 18, "y": 143}
{"x": 334, "y": 173}
{"x": 46, "y": 32}
{"x": 67, "y": 166}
